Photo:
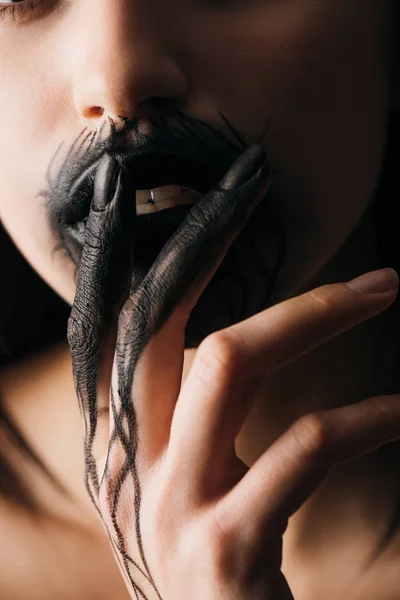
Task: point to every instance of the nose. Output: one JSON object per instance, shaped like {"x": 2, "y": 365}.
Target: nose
{"x": 121, "y": 66}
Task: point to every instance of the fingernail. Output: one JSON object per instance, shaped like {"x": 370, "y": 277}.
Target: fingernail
{"x": 105, "y": 182}
{"x": 375, "y": 282}
{"x": 245, "y": 166}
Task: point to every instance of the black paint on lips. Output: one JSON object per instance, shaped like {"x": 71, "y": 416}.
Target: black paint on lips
{"x": 153, "y": 229}
{"x": 148, "y": 171}
{"x": 184, "y": 151}
{"x": 150, "y": 167}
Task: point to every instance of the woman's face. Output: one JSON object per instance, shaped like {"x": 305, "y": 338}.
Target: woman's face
{"x": 308, "y": 80}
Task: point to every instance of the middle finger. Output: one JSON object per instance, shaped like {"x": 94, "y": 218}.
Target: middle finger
{"x": 152, "y": 325}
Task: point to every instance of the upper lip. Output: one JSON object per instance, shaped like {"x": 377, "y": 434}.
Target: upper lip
{"x": 189, "y": 153}
{"x": 159, "y": 169}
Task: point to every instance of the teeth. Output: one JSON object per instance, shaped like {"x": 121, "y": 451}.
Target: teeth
{"x": 151, "y": 201}
{"x": 161, "y": 193}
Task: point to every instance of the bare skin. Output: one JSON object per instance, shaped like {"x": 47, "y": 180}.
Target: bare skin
{"x": 329, "y": 63}
{"x": 342, "y": 434}
{"x": 302, "y": 542}
{"x": 356, "y": 481}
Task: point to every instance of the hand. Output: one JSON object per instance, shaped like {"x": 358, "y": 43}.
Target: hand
{"x": 186, "y": 518}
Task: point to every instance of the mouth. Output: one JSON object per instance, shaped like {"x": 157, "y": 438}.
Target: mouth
{"x": 164, "y": 198}
{"x": 165, "y": 182}
{"x": 171, "y": 169}
{"x": 172, "y": 162}
{"x": 166, "y": 186}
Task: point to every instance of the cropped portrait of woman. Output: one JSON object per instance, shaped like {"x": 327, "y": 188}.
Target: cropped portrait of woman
{"x": 199, "y": 324}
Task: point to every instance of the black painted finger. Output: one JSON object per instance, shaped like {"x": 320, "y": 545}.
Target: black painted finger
{"x": 149, "y": 355}
{"x": 102, "y": 288}
{"x": 154, "y": 319}
{"x": 192, "y": 255}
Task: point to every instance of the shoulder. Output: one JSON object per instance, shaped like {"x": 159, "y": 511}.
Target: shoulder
{"x": 37, "y": 394}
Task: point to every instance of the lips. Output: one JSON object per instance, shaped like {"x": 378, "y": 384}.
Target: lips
{"x": 185, "y": 161}
{"x": 161, "y": 182}
{"x": 180, "y": 150}
{"x": 148, "y": 172}
{"x": 156, "y": 221}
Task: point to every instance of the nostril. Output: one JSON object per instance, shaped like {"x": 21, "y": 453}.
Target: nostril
{"x": 93, "y": 111}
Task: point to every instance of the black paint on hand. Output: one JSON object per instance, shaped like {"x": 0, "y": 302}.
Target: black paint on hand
{"x": 109, "y": 332}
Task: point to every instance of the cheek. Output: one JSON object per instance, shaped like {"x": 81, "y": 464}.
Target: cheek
{"x": 312, "y": 79}
{"x": 25, "y": 221}
{"x": 31, "y": 131}
{"x": 25, "y": 152}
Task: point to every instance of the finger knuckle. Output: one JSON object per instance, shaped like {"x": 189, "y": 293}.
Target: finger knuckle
{"x": 324, "y": 297}
{"x": 208, "y": 540}
{"x": 312, "y": 435}
{"x": 128, "y": 320}
{"x": 381, "y": 408}
{"x": 222, "y": 546}
{"x": 234, "y": 551}
{"x": 220, "y": 355}
{"x": 134, "y": 318}
{"x": 76, "y": 327}
{"x": 80, "y": 332}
